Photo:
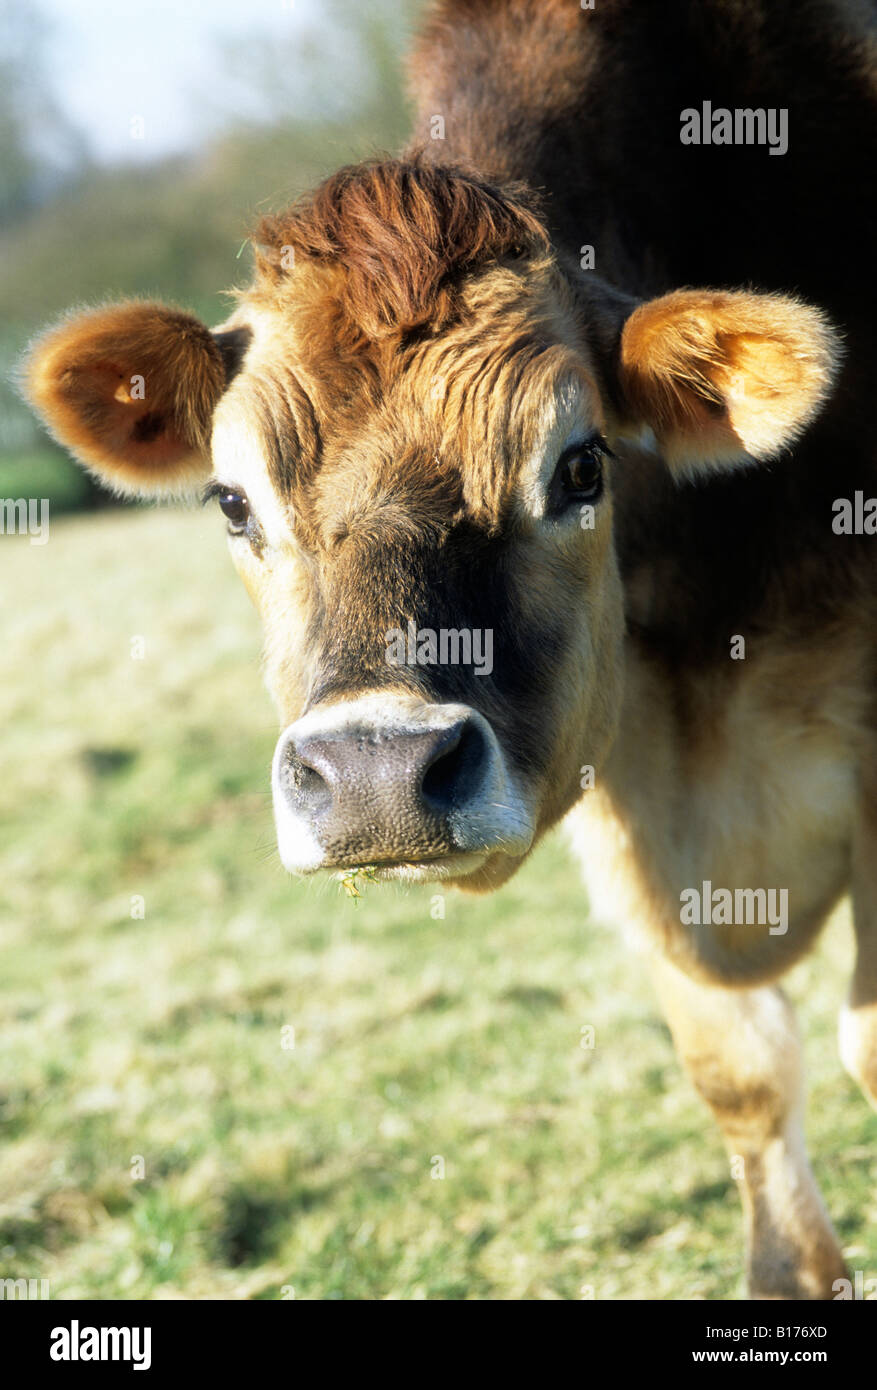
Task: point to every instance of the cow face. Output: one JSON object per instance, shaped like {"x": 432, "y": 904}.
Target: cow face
{"x": 408, "y": 424}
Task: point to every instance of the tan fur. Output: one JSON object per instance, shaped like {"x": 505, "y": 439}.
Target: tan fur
{"x": 477, "y": 401}
{"x": 720, "y": 375}
{"x": 858, "y": 1022}
{"x": 754, "y": 1089}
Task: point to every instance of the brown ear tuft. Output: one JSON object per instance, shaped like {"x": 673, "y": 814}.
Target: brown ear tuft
{"x": 131, "y": 390}
{"x": 401, "y": 231}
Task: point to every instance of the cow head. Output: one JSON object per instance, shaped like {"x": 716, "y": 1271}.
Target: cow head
{"x": 408, "y": 423}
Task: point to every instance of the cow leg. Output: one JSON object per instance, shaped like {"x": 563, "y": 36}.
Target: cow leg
{"x": 858, "y": 1020}
{"x": 741, "y": 1050}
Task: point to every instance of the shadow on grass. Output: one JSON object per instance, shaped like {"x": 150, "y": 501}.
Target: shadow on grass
{"x": 258, "y": 1217}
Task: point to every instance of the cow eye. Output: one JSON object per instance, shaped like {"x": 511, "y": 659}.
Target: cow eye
{"x": 235, "y": 508}
{"x": 579, "y": 475}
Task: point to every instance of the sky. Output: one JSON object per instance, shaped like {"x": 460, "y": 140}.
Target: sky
{"x": 113, "y": 61}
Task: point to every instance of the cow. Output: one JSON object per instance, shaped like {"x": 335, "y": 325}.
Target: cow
{"x": 569, "y": 374}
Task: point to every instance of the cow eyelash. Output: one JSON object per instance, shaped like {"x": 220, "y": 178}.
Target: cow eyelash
{"x": 211, "y": 490}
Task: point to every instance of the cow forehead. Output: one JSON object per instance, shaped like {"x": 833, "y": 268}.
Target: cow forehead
{"x": 442, "y": 426}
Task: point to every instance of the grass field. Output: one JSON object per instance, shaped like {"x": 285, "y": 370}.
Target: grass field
{"x": 160, "y": 1141}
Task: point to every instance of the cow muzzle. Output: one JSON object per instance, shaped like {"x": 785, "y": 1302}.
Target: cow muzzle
{"x": 415, "y": 790}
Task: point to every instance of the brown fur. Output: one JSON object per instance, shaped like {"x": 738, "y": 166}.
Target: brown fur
{"x": 80, "y": 373}
{"x": 430, "y": 225}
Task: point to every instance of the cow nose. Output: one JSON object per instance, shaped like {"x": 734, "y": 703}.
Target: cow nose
{"x": 352, "y": 789}
{"x": 384, "y": 794}
{"x": 427, "y": 770}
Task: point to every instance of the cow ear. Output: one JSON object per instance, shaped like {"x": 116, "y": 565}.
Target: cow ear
{"x": 721, "y": 377}
{"x": 130, "y": 390}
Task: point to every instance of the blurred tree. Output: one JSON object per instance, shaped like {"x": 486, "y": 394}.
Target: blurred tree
{"x": 39, "y": 148}
{"x": 344, "y": 68}
{"x": 290, "y": 113}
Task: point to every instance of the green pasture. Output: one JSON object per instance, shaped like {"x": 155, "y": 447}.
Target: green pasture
{"x": 437, "y": 1130}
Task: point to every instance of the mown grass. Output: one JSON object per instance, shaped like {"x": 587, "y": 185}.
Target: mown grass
{"x": 417, "y": 1038}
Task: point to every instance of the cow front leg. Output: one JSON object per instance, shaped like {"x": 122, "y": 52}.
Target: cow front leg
{"x": 741, "y": 1050}
{"x": 858, "y": 1020}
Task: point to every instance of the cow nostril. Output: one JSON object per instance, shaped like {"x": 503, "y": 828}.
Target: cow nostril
{"x": 309, "y": 788}
{"x": 456, "y": 771}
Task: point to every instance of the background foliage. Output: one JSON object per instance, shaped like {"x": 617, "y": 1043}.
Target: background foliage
{"x": 76, "y": 232}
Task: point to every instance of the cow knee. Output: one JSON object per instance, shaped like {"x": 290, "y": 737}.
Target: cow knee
{"x": 750, "y": 1109}
{"x": 750, "y": 1076}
